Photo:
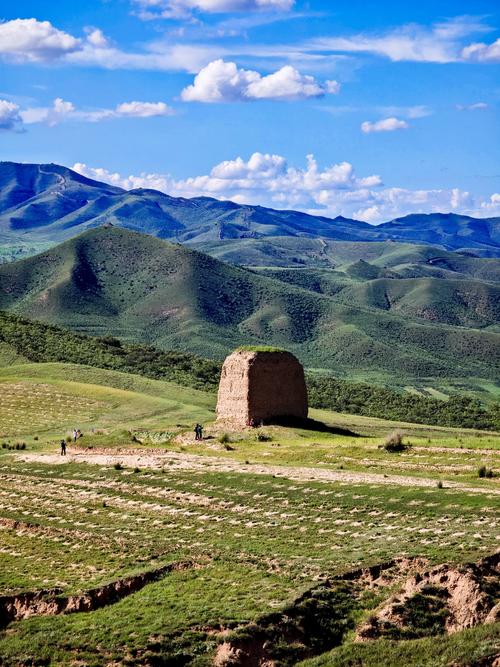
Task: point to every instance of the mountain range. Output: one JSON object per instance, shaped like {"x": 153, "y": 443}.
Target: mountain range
{"x": 43, "y": 204}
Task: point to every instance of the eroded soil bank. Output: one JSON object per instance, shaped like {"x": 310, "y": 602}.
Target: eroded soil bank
{"x": 51, "y": 602}
{"x": 319, "y": 620}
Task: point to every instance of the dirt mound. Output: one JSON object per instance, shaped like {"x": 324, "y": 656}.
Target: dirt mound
{"x": 260, "y": 387}
{"x": 444, "y": 599}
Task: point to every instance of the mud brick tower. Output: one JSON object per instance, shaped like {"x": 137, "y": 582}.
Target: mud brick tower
{"x": 261, "y": 386}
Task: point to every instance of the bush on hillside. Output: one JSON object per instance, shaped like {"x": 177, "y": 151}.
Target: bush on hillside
{"x": 394, "y": 442}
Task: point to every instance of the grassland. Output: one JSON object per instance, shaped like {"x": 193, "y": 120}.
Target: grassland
{"x": 399, "y": 331}
{"x": 259, "y": 517}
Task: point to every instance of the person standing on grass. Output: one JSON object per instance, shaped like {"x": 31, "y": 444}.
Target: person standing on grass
{"x": 63, "y": 447}
{"x": 75, "y": 434}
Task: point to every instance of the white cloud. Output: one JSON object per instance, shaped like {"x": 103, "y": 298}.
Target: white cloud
{"x": 62, "y": 110}
{"x": 172, "y": 9}
{"x": 384, "y": 125}
{"x": 477, "y": 106}
{"x": 439, "y": 43}
{"x": 222, "y": 81}
{"x": 97, "y": 38}
{"x": 59, "y": 111}
{"x": 10, "y": 118}
{"x": 143, "y": 109}
{"x": 491, "y": 207}
{"x": 35, "y": 41}
{"x": 269, "y": 180}
{"x": 482, "y": 53}
{"x": 29, "y": 40}
{"x": 417, "y": 111}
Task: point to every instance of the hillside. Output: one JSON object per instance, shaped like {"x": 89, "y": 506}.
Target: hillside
{"x": 111, "y": 281}
{"x": 23, "y": 341}
{"x": 49, "y": 203}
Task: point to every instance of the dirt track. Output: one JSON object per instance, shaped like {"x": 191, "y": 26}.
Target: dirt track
{"x": 184, "y": 461}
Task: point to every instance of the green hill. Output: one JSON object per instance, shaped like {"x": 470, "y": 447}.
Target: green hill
{"x": 111, "y": 281}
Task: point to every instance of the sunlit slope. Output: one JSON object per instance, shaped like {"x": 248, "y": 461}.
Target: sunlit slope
{"x": 113, "y": 281}
{"x": 53, "y": 398}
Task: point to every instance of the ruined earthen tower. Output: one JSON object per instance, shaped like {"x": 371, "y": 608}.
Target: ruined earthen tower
{"x": 260, "y": 386}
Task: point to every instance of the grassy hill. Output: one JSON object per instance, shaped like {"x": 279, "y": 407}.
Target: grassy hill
{"x": 24, "y": 341}
{"x": 111, "y": 281}
{"x": 42, "y": 203}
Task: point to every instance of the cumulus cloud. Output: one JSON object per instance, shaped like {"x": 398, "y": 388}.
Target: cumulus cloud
{"x": 10, "y": 118}
{"x": 35, "y": 41}
{"x": 97, "y": 38}
{"x": 30, "y": 40}
{"x": 62, "y": 110}
{"x": 153, "y": 9}
{"x": 482, "y": 53}
{"x": 269, "y": 180}
{"x": 384, "y": 125}
{"x": 222, "y": 81}
{"x": 59, "y": 111}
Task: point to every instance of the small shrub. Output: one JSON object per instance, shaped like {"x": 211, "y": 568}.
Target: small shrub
{"x": 263, "y": 437}
{"x": 68, "y": 438}
{"x": 136, "y": 469}
{"x": 118, "y": 466}
{"x": 440, "y": 484}
{"x": 35, "y": 437}
{"x": 228, "y": 447}
{"x": 4, "y": 445}
{"x": 483, "y": 471}
{"x": 224, "y": 438}
{"x": 22, "y": 445}
{"x": 394, "y": 442}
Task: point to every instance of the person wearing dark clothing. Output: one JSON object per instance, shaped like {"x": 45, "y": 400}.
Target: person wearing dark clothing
{"x": 198, "y": 431}
{"x": 63, "y": 447}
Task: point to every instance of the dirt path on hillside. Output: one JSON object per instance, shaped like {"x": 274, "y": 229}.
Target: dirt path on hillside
{"x": 194, "y": 462}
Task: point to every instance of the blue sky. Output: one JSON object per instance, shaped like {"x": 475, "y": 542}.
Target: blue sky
{"x": 365, "y": 109}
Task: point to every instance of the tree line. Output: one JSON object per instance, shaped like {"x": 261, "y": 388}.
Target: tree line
{"x": 39, "y": 342}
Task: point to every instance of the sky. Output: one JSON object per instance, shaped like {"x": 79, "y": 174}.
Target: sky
{"x": 364, "y": 109}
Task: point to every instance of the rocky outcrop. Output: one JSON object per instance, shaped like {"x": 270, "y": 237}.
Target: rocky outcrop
{"x": 261, "y": 386}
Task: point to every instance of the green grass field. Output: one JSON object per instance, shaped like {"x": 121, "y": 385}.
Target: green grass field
{"x": 260, "y": 516}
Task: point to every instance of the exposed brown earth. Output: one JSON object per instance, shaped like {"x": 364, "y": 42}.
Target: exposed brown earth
{"x": 51, "y": 602}
{"x": 260, "y": 387}
{"x": 470, "y": 595}
{"x": 471, "y": 601}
